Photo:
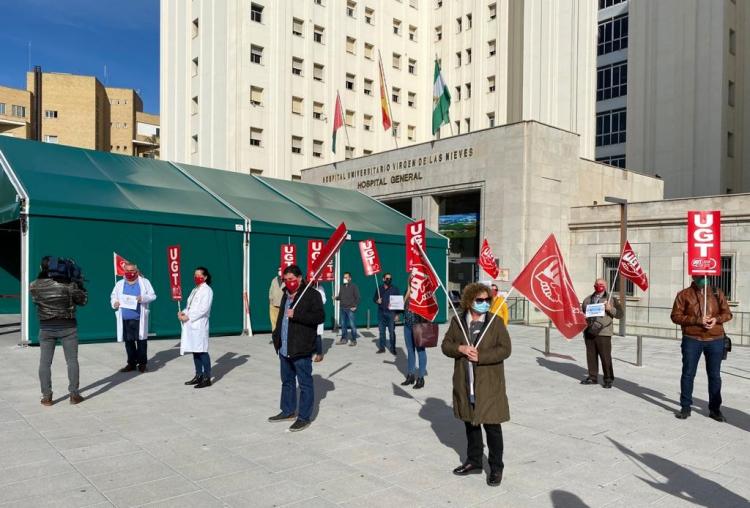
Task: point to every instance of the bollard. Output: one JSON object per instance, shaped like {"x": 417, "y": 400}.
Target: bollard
{"x": 546, "y": 340}
{"x": 639, "y": 350}
{"x": 368, "y": 319}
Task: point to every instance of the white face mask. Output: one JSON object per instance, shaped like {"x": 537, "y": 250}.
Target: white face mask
{"x": 346, "y": 280}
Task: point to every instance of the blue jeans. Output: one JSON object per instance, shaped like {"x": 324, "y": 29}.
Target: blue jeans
{"x": 410, "y": 356}
{"x": 387, "y": 320}
{"x": 301, "y": 369}
{"x": 348, "y": 322}
{"x": 691, "y": 354}
{"x": 202, "y": 364}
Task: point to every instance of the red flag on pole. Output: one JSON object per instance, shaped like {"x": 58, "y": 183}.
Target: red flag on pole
{"x": 314, "y": 248}
{"x": 288, "y": 255}
{"x": 422, "y": 287}
{"x": 173, "y": 267}
{"x": 415, "y": 234}
{"x": 329, "y": 250}
{"x": 631, "y": 269}
{"x": 120, "y": 263}
{"x": 370, "y": 258}
{"x": 704, "y": 242}
{"x": 487, "y": 260}
{"x": 546, "y": 283}
{"x": 338, "y": 121}
{"x": 385, "y": 105}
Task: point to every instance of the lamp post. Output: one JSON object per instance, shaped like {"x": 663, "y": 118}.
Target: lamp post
{"x": 623, "y": 238}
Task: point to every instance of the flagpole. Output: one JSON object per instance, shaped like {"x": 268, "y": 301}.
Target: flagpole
{"x": 705, "y": 293}
{"x": 494, "y": 315}
{"x": 387, "y": 97}
{"x": 346, "y": 131}
{"x": 318, "y": 271}
{"x": 377, "y": 286}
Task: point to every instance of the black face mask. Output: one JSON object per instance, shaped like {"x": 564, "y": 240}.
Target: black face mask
{"x": 387, "y": 282}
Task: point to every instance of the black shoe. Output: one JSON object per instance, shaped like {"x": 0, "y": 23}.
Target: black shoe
{"x": 342, "y": 341}
{"x": 299, "y": 425}
{"x": 393, "y": 351}
{"x": 380, "y": 351}
{"x": 409, "y": 380}
{"x": 419, "y": 384}
{"x": 467, "y": 468}
{"x": 142, "y": 368}
{"x": 353, "y": 343}
{"x": 588, "y": 381}
{"x": 194, "y": 381}
{"x": 128, "y": 368}
{"x": 204, "y": 382}
{"x": 495, "y": 478}
{"x": 683, "y": 414}
{"x": 607, "y": 384}
{"x": 282, "y": 417}
{"x": 716, "y": 415}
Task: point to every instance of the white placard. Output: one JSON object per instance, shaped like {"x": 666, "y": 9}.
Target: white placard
{"x": 595, "y": 310}
{"x": 129, "y": 302}
{"x": 396, "y": 302}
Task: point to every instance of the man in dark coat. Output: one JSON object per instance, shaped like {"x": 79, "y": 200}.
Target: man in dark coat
{"x": 386, "y": 316}
{"x": 598, "y": 335}
{"x": 301, "y": 311}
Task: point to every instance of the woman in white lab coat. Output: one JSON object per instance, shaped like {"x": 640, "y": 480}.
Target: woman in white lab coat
{"x": 194, "y": 318}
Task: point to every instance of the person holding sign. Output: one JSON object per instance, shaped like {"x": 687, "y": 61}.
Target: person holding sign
{"x": 130, "y": 299}
{"x": 389, "y": 299}
{"x": 701, "y": 311}
{"x": 600, "y": 308}
{"x": 195, "y": 326}
{"x": 348, "y": 298}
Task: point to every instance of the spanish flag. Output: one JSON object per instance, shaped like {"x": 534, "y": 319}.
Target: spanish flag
{"x": 385, "y": 106}
{"x": 500, "y": 308}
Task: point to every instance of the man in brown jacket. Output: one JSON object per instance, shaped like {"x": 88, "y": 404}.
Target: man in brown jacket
{"x": 598, "y": 335}
{"x": 702, "y": 333}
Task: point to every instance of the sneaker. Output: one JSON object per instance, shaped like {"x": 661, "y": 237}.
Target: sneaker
{"x": 683, "y": 414}
{"x": 282, "y": 417}
{"x": 380, "y": 351}
{"x": 46, "y": 400}
{"x": 75, "y": 398}
{"x": 342, "y": 342}
{"x": 353, "y": 343}
{"x": 716, "y": 415}
{"x": 299, "y": 425}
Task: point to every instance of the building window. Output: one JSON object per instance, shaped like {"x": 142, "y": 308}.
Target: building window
{"x": 369, "y": 14}
{"x": 349, "y": 152}
{"x": 411, "y": 132}
{"x": 396, "y": 95}
{"x": 368, "y": 50}
{"x": 438, "y": 4}
{"x": 256, "y": 13}
{"x": 468, "y": 90}
{"x": 367, "y": 122}
{"x": 366, "y": 152}
{"x": 467, "y": 121}
{"x": 468, "y": 56}
{"x": 492, "y": 46}
{"x": 254, "y": 171}
{"x": 195, "y": 67}
{"x": 317, "y": 148}
{"x": 458, "y": 93}
{"x": 603, "y": 4}
{"x": 2, "y": 108}
{"x": 49, "y": 113}
{"x": 438, "y": 33}
{"x": 490, "y": 119}
{"x": 256, "y": 54}
{"x": 611, "y": 81}
{"x": 350, "y": 81}
{"x": 297, "y": 144}
{"x": 195, "y": 27}
{"x": 730, "y": 144}
{"x": 412, "y": 66}
{"x": 490, "y": 84}
{"x": 318, "y": 72}
{"x": 318, "y": 34}
{"x": 396, "y": 130}
{"x": 256, "y": 95}
{"x": 730, "y": 93}
{"x": 724, "y": 281}
{"x": 469, "y": 21}
{"x": 256, "y": 135}
{"x": 298, "y": 27}
{"x": 492, "y": 10}
{"x": 50, "y": 139}
{"x": 297, "y": 105}
{"x": 610, "y": 127}
{"x": 193, "y": 144}
{"x": 368, "y": 87}
{"x": 459, "y": 24}
{"x": 297, "y": 64}
{"x": 194, "y": 105}
{"x": 613, "y": 160}
{"x": 396, "y": 61}
{"x": 351, "y": 45}
{"x": 412, "y": 33}
{"x": 458, "y": 126}
{"x": 349, "y": 118}
{"x": 613, "y": 35}
{"x": 396, "y": 26}
{"x": 351, "y": 9}
{"x": 610, "y": 272}
{"x": 412, "y": 100}
{"x": 414, "y": 4}
{"x": 459, "y": 57}
{"x": 318, "y": 110}
{"x": 18, "y": 110}
{"x": 732, "y": 42}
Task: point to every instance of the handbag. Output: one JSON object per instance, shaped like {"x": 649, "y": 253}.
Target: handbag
{"x": 727, "y": 346}
{"x": 425, "y": 334}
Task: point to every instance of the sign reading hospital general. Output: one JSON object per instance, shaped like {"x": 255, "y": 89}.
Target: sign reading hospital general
{"x": 370, "y": 258}
{"x": 415, "y": 235}
{"x": 173, "y": 268}
{"x": 704, "y": 242}
{"x": 288, "y": 255}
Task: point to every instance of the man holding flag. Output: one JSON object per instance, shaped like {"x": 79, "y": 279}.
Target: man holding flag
{"x": 600, "y": 308}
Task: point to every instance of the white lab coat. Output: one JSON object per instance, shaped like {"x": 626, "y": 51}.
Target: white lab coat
{"x": 323, "y": 296}
{"x": 147, "y": 296}
{"x": 194, "y": 338}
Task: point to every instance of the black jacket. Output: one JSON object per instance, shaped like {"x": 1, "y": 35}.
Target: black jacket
{"x": 303, "y": 327}
{"x": 56, "y": 300}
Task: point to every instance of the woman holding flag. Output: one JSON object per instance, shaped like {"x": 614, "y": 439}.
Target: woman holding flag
{"x": 479, "y": 346}
{"x": 412, "y": 350}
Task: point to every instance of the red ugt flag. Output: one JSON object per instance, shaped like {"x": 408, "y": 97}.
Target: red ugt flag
{"x": 631, "y": 269}
{"x": 120, "y": 263}
{"x": 329, "y": 250}
{"x": 546, "y": 283}
{"x": 422, "y": 287}
{"x": 487, "y": 260}
{"x": 370, "y": 258}
{"x": 415, "y": 235}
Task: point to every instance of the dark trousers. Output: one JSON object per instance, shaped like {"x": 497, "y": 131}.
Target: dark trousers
{"x": 202, "y": 364}
{"x": 387, "y": 321}
{"x": 475, "y": 446}
{"x": 293, "y": 371}
{"x": 599, "y": 347}
{"x": 137, "y": 350}
{"x": 47, "y": 342}
{"x": 692, "y": 349}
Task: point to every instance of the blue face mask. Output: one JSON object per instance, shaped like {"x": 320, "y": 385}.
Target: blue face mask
{"x": 481, "y": 308}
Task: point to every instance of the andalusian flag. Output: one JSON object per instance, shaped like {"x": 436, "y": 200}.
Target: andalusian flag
{"x": 441, "y": 101}
{"x": 385, "y": 106}
{"x": 500, "y": 307}
{"x": 338, "y": 120}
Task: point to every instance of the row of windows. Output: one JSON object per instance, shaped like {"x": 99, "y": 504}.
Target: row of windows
{"x": 611, "y": 127}
{"x": 613, "y": 160}
{"x": 612, "y": 81}
{"x": 613, "y": 35}
{"x": 16, "y": 110}
{"x": 603, "y": 4}
{"x": 491, "y": 12}
{"x": 298, "y": 142}
{"x": 117, "y": 102}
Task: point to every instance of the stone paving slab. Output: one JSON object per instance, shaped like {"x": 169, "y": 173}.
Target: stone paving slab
{"x": 148, "y": 440}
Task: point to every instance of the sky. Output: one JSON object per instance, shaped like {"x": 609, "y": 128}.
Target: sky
{"x": 82, "y": 37}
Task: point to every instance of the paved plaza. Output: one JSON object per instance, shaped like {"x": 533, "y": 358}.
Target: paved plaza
{"x": 146, "y": 439}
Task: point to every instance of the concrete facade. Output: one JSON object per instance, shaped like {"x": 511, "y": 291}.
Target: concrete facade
{"x": 15, "y": 112}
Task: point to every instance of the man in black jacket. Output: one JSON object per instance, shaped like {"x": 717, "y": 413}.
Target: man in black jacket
{"x": 294, "y": 340}
{"x": 348, "y": 297}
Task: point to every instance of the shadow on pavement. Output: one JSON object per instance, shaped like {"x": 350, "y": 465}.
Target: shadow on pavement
{"x": 564, "y": 499}
{"x": 448, "y": 429}
{"x": 327, "y": 343}
{"x": 681, "y": 482}
{"x": 554, "y": 355}
{"x": 399, "y": 361}
{"x": 225, "y": 364}
{"x": 321, "y": 386}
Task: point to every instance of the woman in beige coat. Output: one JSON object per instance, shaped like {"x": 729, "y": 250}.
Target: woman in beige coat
{"x": 479, "y": 379}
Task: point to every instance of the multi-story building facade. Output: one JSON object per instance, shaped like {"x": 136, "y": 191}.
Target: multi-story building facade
{"x": 79, "y": 111}
{"x": 671, "y": 83}
{"x": 251, "y": 86}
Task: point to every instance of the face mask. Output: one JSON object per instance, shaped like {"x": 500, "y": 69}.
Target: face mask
{"x": 481, "y": 308}
{"x": 199, "y": 279}
{"x": 599, "y": 288}
{"x": 386, "y": 282}
{"x": 131, "y": 276}
{"x": 346, "y": 281}
{"x": 700, "y": 282}
{"x": 292, "y": 285}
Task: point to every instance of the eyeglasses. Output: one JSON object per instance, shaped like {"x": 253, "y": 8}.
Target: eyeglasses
{"x": 483, "y": 300}
{"x": 289, "y": 279}
{"x": 386, "y": 280}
